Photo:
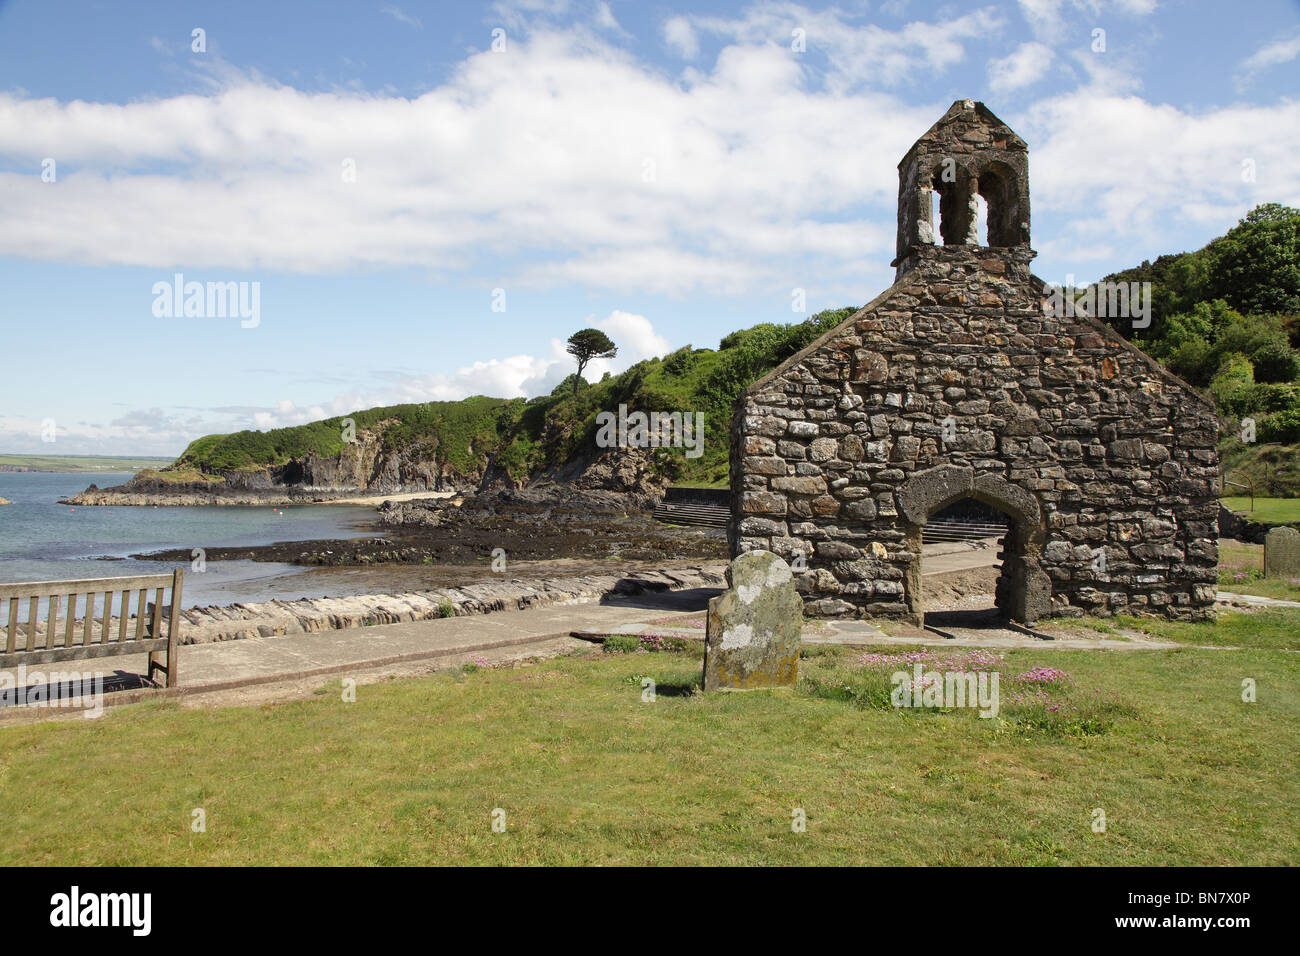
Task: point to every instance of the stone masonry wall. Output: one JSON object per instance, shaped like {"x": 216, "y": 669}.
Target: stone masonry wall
{"x": 840, "y": 454}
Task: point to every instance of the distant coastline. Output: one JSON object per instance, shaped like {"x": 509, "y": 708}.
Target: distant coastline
{"x": 73, "y": 464}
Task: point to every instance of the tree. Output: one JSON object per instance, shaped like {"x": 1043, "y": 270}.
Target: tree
{"x": 586, "y": 345}
{"x": 1256, "y": 266}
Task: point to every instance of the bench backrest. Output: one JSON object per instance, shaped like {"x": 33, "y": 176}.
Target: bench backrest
{"x": 80, "y": 618}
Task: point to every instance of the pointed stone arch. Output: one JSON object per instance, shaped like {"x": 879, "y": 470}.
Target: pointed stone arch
{"x": 1024, "y": 590}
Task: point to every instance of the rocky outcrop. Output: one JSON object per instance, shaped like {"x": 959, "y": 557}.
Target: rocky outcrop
{"x": 195, "y": 493}
{"x": 548, "y": 500}
{"x": 627, "y": 472}
{"x": 366, "y": 468}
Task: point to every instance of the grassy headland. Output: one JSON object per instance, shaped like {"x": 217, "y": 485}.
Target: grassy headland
{"x": 78, "y": 463}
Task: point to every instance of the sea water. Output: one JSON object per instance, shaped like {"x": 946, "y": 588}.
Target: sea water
{"x": 42, "y": 540}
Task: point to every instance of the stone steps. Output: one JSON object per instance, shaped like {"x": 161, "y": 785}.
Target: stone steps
{"x": 710, "y": 516}
{"x": 936, "y": 531}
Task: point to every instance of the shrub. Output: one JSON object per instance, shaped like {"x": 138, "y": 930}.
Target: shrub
{"x": 680, "y": 362}
{"x": 1275, "y": 361}
{"x": 1281, "y": 427}
{"x": 1233, "y": 383}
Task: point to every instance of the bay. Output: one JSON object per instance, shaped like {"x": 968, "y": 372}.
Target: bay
{"x": 42, "y": 540}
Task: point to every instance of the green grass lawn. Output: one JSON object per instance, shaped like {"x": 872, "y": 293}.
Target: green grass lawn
{"x": 1275, "y": 629}
{"x": 1268, "y": 510}
{"x": 1241, "y": 570}
{"x": 586, "y": 772}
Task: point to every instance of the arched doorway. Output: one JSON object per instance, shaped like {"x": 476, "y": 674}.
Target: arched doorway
{"x": 1024, "y": 589}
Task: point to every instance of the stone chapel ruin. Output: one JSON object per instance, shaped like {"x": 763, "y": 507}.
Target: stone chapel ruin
{"x": 960, "y": 381}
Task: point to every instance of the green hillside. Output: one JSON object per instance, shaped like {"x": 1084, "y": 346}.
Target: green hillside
{"x": 526, "y": 436}
{"x": 1226, "y": 318}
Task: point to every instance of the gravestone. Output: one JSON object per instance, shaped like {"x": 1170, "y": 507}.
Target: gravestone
{"x": 754, "y": 627}
{"x": 1282, "y": 553}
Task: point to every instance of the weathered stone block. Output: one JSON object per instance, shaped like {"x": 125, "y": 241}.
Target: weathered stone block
{"x": 823, "y": 449}
{"x": 762, "y": 502}
{"x": 758, "y": 465}
{"x": 800, "y": 485}
{"x": 802, "y": 429}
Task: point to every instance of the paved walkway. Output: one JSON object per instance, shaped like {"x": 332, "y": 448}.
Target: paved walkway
{"x": 208, "y": 668}
{"x": 1253, "y": 600}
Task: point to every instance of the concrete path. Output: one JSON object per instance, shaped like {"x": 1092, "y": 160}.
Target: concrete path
{"x": 210, "y": 668}
{"x": 944, "y": 557}
{"x": 1253, "y": 600}
{"x": 862, "y": 633}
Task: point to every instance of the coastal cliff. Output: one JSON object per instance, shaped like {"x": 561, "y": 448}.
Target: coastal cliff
{"x": 483, "y": 444}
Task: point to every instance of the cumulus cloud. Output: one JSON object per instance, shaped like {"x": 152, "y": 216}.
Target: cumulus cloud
{"x": 533, "y": 157}
{"x": 1027, "y": 65}
{"x": 858, "y": 54}
{"x": 1162, "y": 170}
{"x": 681, "y": 39}
{"x": 530, "y": 167}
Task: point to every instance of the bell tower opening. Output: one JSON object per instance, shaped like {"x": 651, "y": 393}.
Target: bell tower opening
{"x": 963, "y": 185}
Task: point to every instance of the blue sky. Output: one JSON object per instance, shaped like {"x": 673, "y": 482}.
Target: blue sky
{"x": 666, "y": 172}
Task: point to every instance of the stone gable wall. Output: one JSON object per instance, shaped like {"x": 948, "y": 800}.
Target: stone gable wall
{"x": 839, "y": 455}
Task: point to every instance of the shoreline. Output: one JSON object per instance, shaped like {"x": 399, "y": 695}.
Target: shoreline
{"x": 189, "y": 499}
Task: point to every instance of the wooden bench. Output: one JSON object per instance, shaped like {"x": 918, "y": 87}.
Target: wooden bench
{"x": 139, "y": 635}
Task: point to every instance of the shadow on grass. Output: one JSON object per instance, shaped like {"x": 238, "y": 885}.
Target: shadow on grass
{"x": 678, "y": 687}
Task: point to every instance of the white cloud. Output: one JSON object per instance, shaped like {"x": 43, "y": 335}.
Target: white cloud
{"x": 1056, "y": 21}
{"x": 1280, "y": 51}
{"x": 865, "y": 55}
{"x": 1027, "y": 65}
{"x": 539, "y": 156}
{"x": 681, "y": 39}
{"x": 401, "y": 16}
{"x": 534, "y": 165}
{"x": 604, "y": 19}
{"x": 1163, "y": 171}
{"x": 1043, "y": 17}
